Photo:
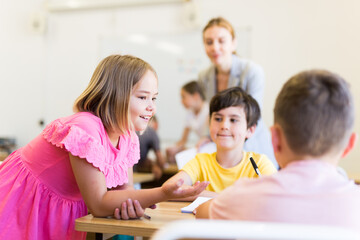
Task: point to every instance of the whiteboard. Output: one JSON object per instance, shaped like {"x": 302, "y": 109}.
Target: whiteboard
{"x": 177, "y": 59}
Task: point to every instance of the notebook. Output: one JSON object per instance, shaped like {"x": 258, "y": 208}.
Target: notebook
{"x": 198, "y": 201}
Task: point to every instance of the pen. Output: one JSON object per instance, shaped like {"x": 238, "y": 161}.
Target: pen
{"x": 147, "y": 216}
{"x": 255, "y": 166}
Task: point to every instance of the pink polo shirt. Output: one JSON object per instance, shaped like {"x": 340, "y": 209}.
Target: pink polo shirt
{"x": 307, "y": 192}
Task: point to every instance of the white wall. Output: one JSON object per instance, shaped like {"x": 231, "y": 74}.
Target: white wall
{"x": 42, "y": 74}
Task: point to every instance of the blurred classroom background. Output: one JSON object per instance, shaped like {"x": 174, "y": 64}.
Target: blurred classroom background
{"x": 50, "y": 48}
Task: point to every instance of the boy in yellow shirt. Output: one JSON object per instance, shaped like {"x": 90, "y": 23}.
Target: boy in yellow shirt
{"x": 233, "y": 118}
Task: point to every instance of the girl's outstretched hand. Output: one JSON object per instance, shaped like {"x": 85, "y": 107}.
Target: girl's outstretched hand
{"x": 130, "y": 210}
{"x": 174, "y": 190}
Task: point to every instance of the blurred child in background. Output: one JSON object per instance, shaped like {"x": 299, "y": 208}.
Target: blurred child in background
{"x": 149, "y": 141}
{"x": 197, "y": 118}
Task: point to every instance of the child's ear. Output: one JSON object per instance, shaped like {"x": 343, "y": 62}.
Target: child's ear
{"x": 250, "y": 131}
{"x": 350, "y": 145}
{"x": 276, "y": 138}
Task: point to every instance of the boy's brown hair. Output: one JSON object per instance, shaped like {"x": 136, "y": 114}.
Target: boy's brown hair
{"x": 236, "y": 97}
{"x": 108, "y": 94}
{"x": 316, "y": 112}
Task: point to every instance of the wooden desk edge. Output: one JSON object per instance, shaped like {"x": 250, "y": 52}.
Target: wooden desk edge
{"x": 136, "y": 227}
{"x": 355, "y": 177}
{"x": 84, "y": 224}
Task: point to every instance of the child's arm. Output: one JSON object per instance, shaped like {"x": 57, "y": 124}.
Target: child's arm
{"x": 181, "y": 175}
{"x": 129, "y": 184}
{"x": 102, "y": 202}
{"x": 129, "y": 209}
{"x": 160, "y": 159}
{"x": 202, "y": 211}
{"x": 207, "y": 193}
{"x": 158, "y": 167}
{"x": 187, "y": 181}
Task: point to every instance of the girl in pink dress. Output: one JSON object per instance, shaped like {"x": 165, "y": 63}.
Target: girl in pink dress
{"x": 84, "y": 161}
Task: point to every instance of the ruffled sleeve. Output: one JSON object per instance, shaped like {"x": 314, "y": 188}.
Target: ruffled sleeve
{"x": 76, "y": 141}
{"x": 87, "y": 139}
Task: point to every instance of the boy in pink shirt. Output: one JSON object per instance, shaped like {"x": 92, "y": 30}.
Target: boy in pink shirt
{"x": 314, "y": 118}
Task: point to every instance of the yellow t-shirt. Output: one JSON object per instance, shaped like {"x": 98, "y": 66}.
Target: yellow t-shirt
{"x": 204, "y": 167}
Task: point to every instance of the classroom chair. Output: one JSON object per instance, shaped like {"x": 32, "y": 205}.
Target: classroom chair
{"x": 226, "y": 229}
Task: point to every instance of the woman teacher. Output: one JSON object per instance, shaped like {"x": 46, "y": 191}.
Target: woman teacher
{"x": 229, "y": 70}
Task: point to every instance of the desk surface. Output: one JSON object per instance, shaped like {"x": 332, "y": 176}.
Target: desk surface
{"x": 171, "y": 169}
{"x": 355, "y": 177}
{"x": 143, "y": 177}
{"x": 3, "y": 156}
{"x": 164, "y": 213}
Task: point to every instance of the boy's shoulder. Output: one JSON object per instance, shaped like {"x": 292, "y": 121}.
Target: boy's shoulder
{"x": 256, "y": 156}
{"x": 202, "y": 159}
{"x": 264, "y": 163}
{"x": 205, "y": 156}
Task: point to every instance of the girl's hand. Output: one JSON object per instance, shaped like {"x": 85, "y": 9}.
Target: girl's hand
{"x": 130, "y": 210}
{"x": 174, "y": 190}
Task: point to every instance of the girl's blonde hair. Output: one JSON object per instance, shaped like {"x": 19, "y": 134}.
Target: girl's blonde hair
{"x": 108, "y": 94}
{"x": 220, "y": 22}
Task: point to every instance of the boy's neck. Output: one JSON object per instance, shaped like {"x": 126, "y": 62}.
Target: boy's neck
{"x": 229, "y": 158}
{"x": 331, "y": 159}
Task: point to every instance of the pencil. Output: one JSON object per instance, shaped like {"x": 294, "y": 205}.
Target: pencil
{"x": 255, "y": 166}
{"x": 146, "y": 216}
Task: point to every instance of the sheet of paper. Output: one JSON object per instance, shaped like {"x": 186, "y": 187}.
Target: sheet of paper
{"x": 198, "y": 201}
{"x": 184, "y": 156}
{"x": 208, "y": 148}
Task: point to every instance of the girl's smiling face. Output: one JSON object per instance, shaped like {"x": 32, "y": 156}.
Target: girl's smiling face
{"x": 142, "y": 101}
{"x": 228, "y": 128}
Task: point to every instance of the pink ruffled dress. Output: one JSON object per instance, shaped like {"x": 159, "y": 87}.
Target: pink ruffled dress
{"x": 39, "y": 196}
